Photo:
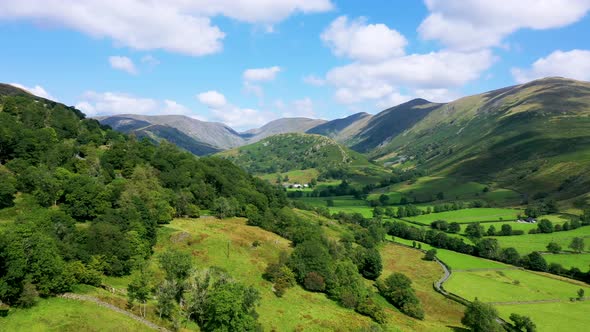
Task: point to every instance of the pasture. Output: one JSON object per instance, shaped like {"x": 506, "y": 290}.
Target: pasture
{"x": 538, "y": 242}
{"x": 469, "y": 215}
{"x": 581, "y": 261}
{"x": 550, "y": 317}
{"x": 511, "y": 285}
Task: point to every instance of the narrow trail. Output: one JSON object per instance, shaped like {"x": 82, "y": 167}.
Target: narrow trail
{"x": 101, "y": 303}
{"x": 445, "y": 277}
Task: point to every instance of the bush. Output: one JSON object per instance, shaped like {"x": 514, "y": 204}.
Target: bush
{"x": 430, "y": 255}
{"x": 398, "y": 291}
{"x": 314, "y": 282}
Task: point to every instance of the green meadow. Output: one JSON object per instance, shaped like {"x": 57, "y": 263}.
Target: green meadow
{"x": 469, "y": 215}
{"x": 511, "y": 285}
{"x": 551, "y": 317}
{"x": 538, "y": 242}
{"x": 581, "y": 261}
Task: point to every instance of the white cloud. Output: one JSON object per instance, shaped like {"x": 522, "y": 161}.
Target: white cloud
{"x": 261, "y": 74}
{"x": 123, "y": 63}
{"x": 314, "y": 80}
{"x": 180, "y": 26}
{"x": 172, "y": 107}
{"x": 150, "y": 60}
{"x": 254, "y": 89}
{"x": 37, "y": 90}
{"x": 477, "y": 24}
{"x": 572, "y": 64}
{"x": 110, "y": 103}
{"x": 212, "y": 99}
{"x": 436, "y": 70}
{"x": 232, "y": 115}
{"x": 364, "y": 42}
{"x": 301, "y": 108}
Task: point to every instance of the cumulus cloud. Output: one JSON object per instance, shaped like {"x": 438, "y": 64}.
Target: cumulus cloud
{"x": 357, "y": 81}
{"x": 37, "y": 90}
{"x": 571, "y": 64}
{"x": 232, "y": 115}
{"x": 261, "y": 74}
{"x": 212, "y": 99}
{"x": 110, "y": 103}
{"x": 314, "y": 80}
{"x": 477, "y": 24}
{"x": 361, "y": 41}
{"x": 301, "y": 108}
{"x": 179, "y": 26}
{"x": 123, "y": 63}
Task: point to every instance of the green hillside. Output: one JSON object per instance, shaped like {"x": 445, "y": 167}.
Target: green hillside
{"x": 533, "y": 138}
{"x": 287, "y": 152}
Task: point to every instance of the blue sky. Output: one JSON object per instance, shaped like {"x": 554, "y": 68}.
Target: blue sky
{"x": 246, "y": 62}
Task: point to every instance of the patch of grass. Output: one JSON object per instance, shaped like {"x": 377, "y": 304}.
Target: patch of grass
{"x": 550, "y": 317}
{"x": 581, "y": 261}
{"x": 296, "y": 176}
{"x": 58, "y": 314}
{"x": 538, "y": 242}
{"x": 510, "y": 285}
{"x": 469, "y": 215}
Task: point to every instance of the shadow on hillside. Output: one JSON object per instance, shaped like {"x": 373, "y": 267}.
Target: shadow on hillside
{"x": 458, "y": 329}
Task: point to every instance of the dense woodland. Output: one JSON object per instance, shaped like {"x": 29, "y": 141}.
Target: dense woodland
{"x": 94, "y": 198}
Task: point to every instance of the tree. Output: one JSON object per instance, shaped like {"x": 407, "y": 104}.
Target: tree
{"x": 545, "y": 226}
{"x": 474, "y": 230}
{"x": 488, "y": 248}
{"x": 577, "y": 244}
{"x": 454, "y": 227}
{"x": 314, "y": 282}
{"x": 430, "y": 255}
{"x": 7, "y": 188}
{"x": 523, "y": 323}
{"x": 510, "y": 255}
{"x": 384, "y": 199}
{"x": 372, "y": 265}
{"x": 481, "y": 317}
{"x": 581, "y": 294}
{"x": 491, "y": 230}
{"x": 506, "y": 230}
{"x": 535, "y": 261}
{"x": 166, "y": 297}
{"x": 177, "y": 265}
{"x": 231, "y": 307}
{"x": 553, "y": 248}
{"x": 397, "y": 289}
{"x": 139, "y": 290}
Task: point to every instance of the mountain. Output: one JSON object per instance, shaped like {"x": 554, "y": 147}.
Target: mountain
{"x": 215, "y": 135}
{"x": 389, "y": 123}
{"x": 534, "y": 138}
{"x": 287, "y": 152}
{"x": 342, "y": 129}
{"x": 282, "y": 126}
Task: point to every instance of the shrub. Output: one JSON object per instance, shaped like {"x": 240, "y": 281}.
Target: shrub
{"x": 430, "y": 255}
{"x": 314, "y": 282}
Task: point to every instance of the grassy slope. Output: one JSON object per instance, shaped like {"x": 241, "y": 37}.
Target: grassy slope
{"x": 57, "y": 314}
{"x": 550, "y": 317}
{"x": 526, "y": 138}
{"x": 298, "y": 309}
{"x": 581, "y": 261}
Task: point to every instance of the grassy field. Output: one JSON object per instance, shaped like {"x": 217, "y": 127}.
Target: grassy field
{"x": 296, "y": 176}
{"x": 581, "y": 261}
{"x": 469, "y": 215}
{"x": 550, "y": 317}
{"x": 441, "y": 314}
{"x": 511, "y": 285}
{"x": 538, "y": 242}
{"x": 57, "y": 314}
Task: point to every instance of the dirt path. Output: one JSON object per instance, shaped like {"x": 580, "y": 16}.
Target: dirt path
{"x": 445, "y": 277}
{"x": 101, "y": 303}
